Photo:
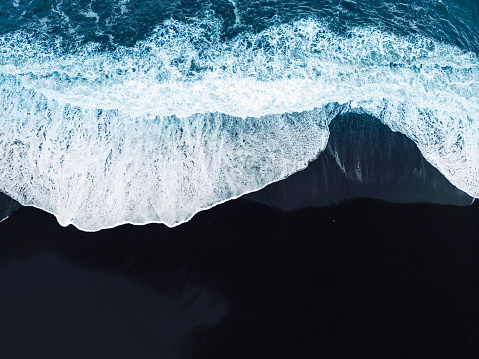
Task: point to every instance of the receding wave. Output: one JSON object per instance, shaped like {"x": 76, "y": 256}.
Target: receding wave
{"x": 184, "y": 120}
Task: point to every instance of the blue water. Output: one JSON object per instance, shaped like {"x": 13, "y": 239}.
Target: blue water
{"x": 124, "y": 22}
{"x": 131, "y": 111}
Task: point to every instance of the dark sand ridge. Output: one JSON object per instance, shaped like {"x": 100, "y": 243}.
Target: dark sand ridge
{"x": 363, "y": 158}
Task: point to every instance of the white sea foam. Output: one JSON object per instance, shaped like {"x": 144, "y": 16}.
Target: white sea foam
{"x": 97, "y": 169}
{"x": 236, "y": 12}
{"x": 183, "y": 121}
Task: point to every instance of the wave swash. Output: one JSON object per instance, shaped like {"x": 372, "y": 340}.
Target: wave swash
{"x": 184, "y": 120}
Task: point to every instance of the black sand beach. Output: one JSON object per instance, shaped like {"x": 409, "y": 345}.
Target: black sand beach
{"x": 263, "y": 276}
{"x": 364, "y": 278}
{"x": 362, "y": 116}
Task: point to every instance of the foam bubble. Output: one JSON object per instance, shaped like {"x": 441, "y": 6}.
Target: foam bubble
{"x": 184, "y": 120}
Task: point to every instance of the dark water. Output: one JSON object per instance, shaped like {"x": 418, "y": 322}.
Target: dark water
{"x": 349, "y": 129}
{"x": 126, "y": 22}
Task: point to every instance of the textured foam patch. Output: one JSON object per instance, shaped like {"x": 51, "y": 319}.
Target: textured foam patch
{"x": 98, "y": 169}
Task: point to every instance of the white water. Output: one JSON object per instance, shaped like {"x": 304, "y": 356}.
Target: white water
{"x": 183, "y": 121}
{"x": 236, "y": 12}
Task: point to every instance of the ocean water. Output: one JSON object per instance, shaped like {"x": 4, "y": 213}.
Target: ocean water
{"x": 251, "y": 127}
{"x": 128, "y": 111}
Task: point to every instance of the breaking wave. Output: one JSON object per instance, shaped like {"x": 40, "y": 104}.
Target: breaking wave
{"x": 184, "y": 120}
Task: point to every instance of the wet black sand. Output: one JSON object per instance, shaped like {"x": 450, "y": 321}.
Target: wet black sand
{"x": 363, "y": 279}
